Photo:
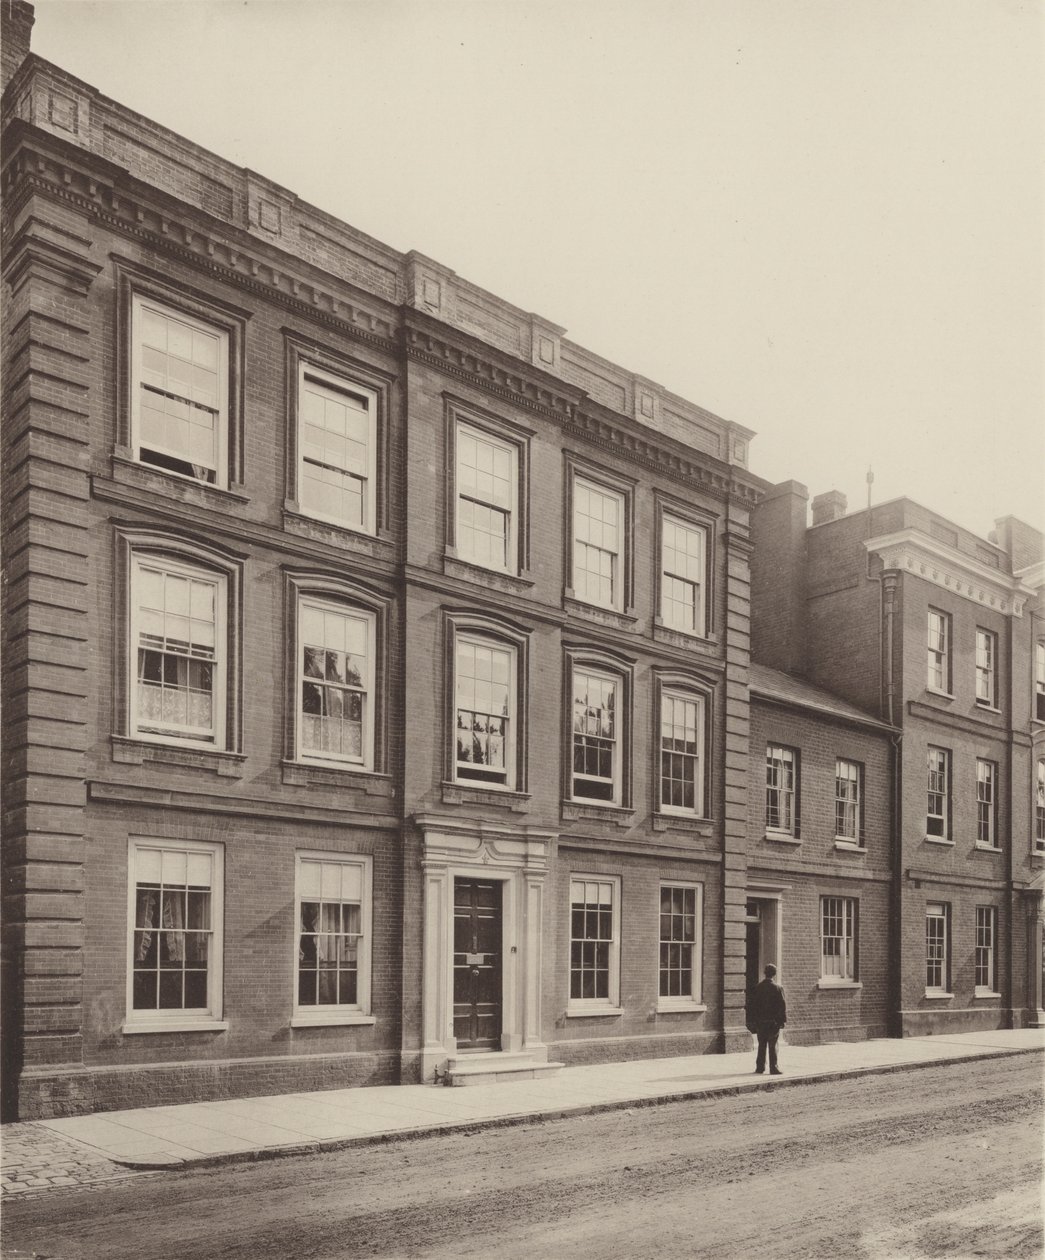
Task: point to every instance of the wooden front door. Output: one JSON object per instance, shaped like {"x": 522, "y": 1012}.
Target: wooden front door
{"x": 477, "y": 964}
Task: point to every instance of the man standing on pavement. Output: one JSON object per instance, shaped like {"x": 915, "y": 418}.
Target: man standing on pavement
{"x": 766, "y": 1015}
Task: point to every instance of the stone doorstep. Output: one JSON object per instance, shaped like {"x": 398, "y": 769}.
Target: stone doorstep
{"x": 497, "y": 1068}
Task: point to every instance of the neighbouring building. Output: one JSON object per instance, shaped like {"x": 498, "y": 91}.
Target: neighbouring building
{"x": 938, "y": 633}
{"x": 375, "y": 658}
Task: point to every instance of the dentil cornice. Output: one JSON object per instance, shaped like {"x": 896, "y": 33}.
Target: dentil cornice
{"x": 911, "y": 551}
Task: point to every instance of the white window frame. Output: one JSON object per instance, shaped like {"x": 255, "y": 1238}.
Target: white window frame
{"x": 192, "y": 1019}
{"x": 617, "y": 562}
{"x": 1039, "y": 681}
{"x": 938, "y": 784}
{"x": 783, "y": 756}
{"x": 511, "y": 544}
{"x": 343, "y": 609}
{"x": 846, "y": 912}
{"x": 986, "y": 803}
{"x": 358, "y": 1012}
{"x": 693, "y": 999}
{"x": 938, "y": 652}
{"x": 985, "y": 958}
{"x": 616, "y": 778}
{"x": 848, "y": 804}
{"x": 219, "y": 687}
{"x": 1039, "y": 809}
{"x": 610, "y": 1004}
{"x": 677, "y": 695}
{"x": 699, "y": 626}
{"x": 986, "y": 668}
{"x": 332, "y": 383}
{"x": 139, "y": 303}
{"x": 478, "y": 639}
{"x": 938, "y": 928}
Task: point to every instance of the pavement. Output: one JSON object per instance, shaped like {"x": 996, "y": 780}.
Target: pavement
{"x": 95, "y": 1150}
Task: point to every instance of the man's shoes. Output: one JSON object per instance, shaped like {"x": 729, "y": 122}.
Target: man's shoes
{"x": 759, "y": 1071}
{"x": 775, "y": 1072}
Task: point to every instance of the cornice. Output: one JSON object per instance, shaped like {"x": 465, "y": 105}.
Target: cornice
{"x": 911, "y": 551}
{"x": 114, "y": 198}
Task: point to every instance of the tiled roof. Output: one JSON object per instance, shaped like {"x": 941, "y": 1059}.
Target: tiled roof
{"x": 773, "y": 684}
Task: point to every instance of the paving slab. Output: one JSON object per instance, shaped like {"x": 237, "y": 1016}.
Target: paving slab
{"x": 96, "y": 1149}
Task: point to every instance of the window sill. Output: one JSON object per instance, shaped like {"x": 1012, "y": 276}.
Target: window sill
{"x": 848, "y": 846}
{"x": 988, "y": 848}
{"x": 839, "y": 984}
{"x": 940, "y": 695}
{"x": 333, "y": 1019}
{"x": 985, "y": 993}
{"x": 305, "y": 774}
{"x": 678, "y": 1007}
{"x": 595, "y": 612}
{"x": 1038, "y": 853}
{"x": 987, "y": 708}
{"x": 128, "y": 471}
{"x": 134, "y": 752}
{"x": 618, "y": 814}
{"x": 682, "y": 822}
{"x": 595, "y": 1012}
{"x": 177, "y": 1026}
{"x": 781, "y": 837}
{"x": 682, "y": 638}
{"x": 938, "y": 995}
{"x": 487, "y": 794}
{"x": 497, "y": 579}
{"x": 330, "y": 534}
{"x": 947, "y": 844}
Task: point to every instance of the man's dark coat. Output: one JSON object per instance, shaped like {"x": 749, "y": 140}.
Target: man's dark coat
{"x": 766, "y": 1005}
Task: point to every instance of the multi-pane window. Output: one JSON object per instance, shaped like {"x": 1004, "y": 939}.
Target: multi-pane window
{"x": 1039, "y": 680}
{"x": 838, "y": 939}
{"x": 986, "y": 667}
{"x": 596, "y": 736}
{"x": 986, "y": 803}
{"x": 682, "y": 579}
{"x": 487, "y": 479}
{"x": 681, "y": 742}
{"x": 484, "y": 686}
{"x": 937, "y": 946}
{"x": 593, "y": 941}
{"x": 938, "y": 774}
{"x": 335, "y": 683}
{"x": 939, "y": 651}
{"x": 1039, "y": 808}
{"x": 178, "y": 651}
{"x": 598, "y": 544}
{"x": 780, "y": 789}
{"x": 175, "y": 931}
{"x": 679, "y": 953}
{"x": 333, "y": 911}
{"x": 986, "y": 932}
{"x": 847, "y": 800}
{"x": 337, "y": 444}
{"x": 179, "y": 400}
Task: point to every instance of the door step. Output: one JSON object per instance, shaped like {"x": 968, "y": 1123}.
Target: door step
{"x": 497, "y": 1068}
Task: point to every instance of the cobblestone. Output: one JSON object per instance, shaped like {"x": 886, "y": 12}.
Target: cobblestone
{"x": 33, "y": 1159}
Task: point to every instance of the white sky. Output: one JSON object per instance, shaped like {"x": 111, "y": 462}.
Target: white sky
{"x": 820, "y": 218}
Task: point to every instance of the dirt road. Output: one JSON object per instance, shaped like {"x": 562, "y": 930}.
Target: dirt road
{"x": 938, "y": 1162}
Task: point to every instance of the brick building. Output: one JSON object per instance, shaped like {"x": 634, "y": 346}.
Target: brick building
{"x": 938, "y": 632}
{"x": 374, "y": 657}
{"x": 377, "y": 701}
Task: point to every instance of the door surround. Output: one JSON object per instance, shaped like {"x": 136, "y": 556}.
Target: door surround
{"x": 517, "y": 858}
{"x": 771, "y": 927}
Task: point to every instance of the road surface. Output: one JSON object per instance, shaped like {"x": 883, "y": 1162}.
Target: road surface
{"x": 943, "y": 1161}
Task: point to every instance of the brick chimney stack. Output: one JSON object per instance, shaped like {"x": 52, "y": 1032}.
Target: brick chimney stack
{"x": 829, "y": 507}
{"x": 16, "y": 23}
{"x": 778, "y": 577}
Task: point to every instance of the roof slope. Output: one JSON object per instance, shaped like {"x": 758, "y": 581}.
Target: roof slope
{"x": 773, "y": 684}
